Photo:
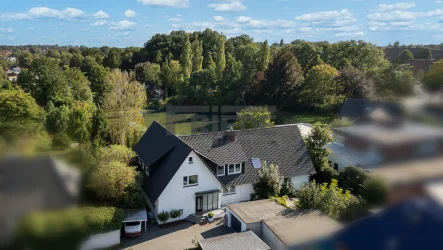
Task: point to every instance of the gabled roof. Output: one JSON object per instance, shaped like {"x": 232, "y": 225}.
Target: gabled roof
{"x": 164, "y": 153}
{"x": 280, "y": 145}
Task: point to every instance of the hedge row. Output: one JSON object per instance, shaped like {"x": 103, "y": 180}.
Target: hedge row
{"x": 66, "y": 229}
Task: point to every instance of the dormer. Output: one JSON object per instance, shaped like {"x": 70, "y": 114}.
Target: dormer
{"x": 225, "y": 138}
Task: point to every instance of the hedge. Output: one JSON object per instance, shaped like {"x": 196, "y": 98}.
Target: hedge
{"x": 66, "y": 229}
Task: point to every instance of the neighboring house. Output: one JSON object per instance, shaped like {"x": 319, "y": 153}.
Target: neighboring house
{"x": 6, "y": 53}
{"x": 12, "y": 59}
{"x": 410, "y": 225}
{"x": 16, "y": 70}
{"x": 235, "y": 241}
{"x": 356, "y": 108}
{"x": 375, "y": 144}
{"x": 421, "y": 64}
{"x": 203, "y": 172}
{"x": 12, "y": 77}
{"x": 28, "y": 185}
{"x": 282, "y": 228}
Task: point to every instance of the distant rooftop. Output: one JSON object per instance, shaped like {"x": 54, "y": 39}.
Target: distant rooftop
{"x": 256, "y": 211}
{"x": 235, "y": 241}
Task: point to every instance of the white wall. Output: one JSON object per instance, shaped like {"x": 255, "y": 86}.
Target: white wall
{"x": 102, "y": 240}
{"x": 175, "y": 196}
{"x": 242, "y": 193}
{"x": 271, "y": 239}
{"x": 341, "y": 161}
{"x": 297, "y": 181}
{"x": 229, "y": 213}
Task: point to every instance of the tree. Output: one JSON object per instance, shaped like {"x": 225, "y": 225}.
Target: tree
{"x": 425, "y": 53}
{"x": 110, "y": 181}
{"x": 315, "y": 142}
{"x": 123, "y": 105}
{"x": 283, "y": 79}
{"x": 197, "y": 51}
{"x": 321, "y": 89}
{"x": 352, "y": 178}
{"x": 78, "y": 84}
{"x": 269, "y": 181}
{"x": 80, "y": 124}
{"x": 76, "y": 60}
{"x": 306, "y": 54}
{"x": 282, "y": 43}
{"x": 328, "y": 198}
{"x": 221, "y": 57}
{"x": 99, "y": 133}
{"x": 99, "y": 86}
{"x": 19, "y": 113}
{"x": 404, "y": 57}
{"x": 397, "y": 80}
{"x": 253, "y": 117}
{"x": 433, "y": 79}
{"x": 264, "y": 56}
{"x": 171, "y": 76}
{"x": 186, "y": 58}
{"x": 58, "y": 118}
{"x": 115, "y": 153}
{"x": 356, "y": 84}
{"x": 45, "y": 81}
{"x": 148, "y": 74}
{"x": 25, "y": 59}
{"x": 113, "y": 59}
{"x": 374, "y": 191}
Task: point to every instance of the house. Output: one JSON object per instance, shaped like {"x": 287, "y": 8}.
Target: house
{"x": 279, "y": 227}
{"x": 34, "y": 184}
{"x": 421, "y": 64}
{"x": 12, "y": 77}
{"x": 203, "y": 172}
{"x": 6, "y": 53}
{"x": 235, "y": 241}
{"x": 411, "y": 225}
{"x": 12, "y": 59}
{"x": 378, "y": 143}
{"x": 356, "y": 108}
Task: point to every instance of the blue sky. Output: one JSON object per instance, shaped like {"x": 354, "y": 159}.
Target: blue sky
{"x": 124, "y": 23}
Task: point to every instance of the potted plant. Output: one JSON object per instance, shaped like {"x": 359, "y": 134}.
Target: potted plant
{"x": 174, "y": 213}
{"x": 163, "y": 216}
{"x": 210, "y": 216}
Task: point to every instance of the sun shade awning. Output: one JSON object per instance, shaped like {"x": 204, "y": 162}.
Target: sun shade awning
{"x": 208, "y": 192}
{"x": 135, "y": 215}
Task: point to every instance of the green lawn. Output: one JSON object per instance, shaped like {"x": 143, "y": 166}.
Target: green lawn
{"x": 182, "y": 124}
{"x": 289, "y": 117}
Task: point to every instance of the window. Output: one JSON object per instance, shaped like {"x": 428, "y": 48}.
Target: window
{"x": 191, "y": 180}
{"x": 234, "y": 168}
{"x": 220, "y": 170}
{"x": 230, "y": 190}
{"x": 190, "y": 160}
{"x": 336, "y": 166}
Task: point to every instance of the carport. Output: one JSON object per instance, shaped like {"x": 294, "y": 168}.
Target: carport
{"x": 133, "y": 215}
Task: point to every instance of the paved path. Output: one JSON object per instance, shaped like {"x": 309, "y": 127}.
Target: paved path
{"x": 175, "y": 238}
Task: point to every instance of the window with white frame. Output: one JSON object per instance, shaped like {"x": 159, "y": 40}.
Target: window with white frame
{"x": 234, "y": 168}
{"x": 190, "y": 160}
{"x": 229, "y": 190}
{"x": 191, "y": 180}
{"x": 220, "y": 170}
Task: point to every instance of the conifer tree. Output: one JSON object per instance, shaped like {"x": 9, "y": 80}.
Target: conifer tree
{"x": 186, "y": 58}
{"x": 221, "y": 57}
{"x": 264, "y": 56}
{"x": 197, "y": 50}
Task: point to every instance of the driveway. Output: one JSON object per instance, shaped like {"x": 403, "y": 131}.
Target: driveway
{"x": 176, "y": 237}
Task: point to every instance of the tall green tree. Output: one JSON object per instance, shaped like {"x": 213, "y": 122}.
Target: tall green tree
{"x": 269, "y": 181}
{"x": 253, "y": 117}
{"x": 171, "y": 76}
{"x": 356, "y": 83}
{"x": 425, "y": 53}
{"x": 264, "y": 56}
{"x": 148, "y": 74}
{"x": 197, "y": 51}
{"x": 404, "y": 57}
{"x": 221, "y": 57}
{"x": 186, "y": 57}
{"x": 79, "y": 85}
{"x": 99, "y": 132}
{"x": 80, "y": 124}
{"x": 58, "y": 118}
{"x": 432, "y": 80}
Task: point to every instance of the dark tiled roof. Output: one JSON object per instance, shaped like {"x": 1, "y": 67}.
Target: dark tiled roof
{"x": 355, "y": 108}
{"x": 280, "y": 145}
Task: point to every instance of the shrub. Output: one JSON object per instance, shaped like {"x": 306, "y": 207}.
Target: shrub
{"x": 282, "y": 200}
{"x": 352, "y": 178}
{"x": 287, "y": 189}
{"x": 133, "y": 198}
{"x": 65, "y": 229}
{"x": 210, "y": 215}
{"x": 163, "y": 216}
{"x": 61, "y": 141}
{"x": 268, "y": 184}
{"x": 374, "y": 191}
{"x": 174, "y": 213}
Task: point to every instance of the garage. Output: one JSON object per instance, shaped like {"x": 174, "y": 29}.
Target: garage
{"x": 133, "y": 220}
{"x": 235, "y": 223}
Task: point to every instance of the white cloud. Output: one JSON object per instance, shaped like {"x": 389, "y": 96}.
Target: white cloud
{"x": 350, "y": 34}
{"x": 396, "y": 6}
{"x": 175, "y": 19}
{"x": 130, "y": 13}
{"x": 166, "y": 3}
{"x": 403, "y": 15}
{"x": 219, "y": 19}
{"x": 243, "y": 19}
{"x": 438, "y": 1}
{"x": 228, "y": 7}
{"x": 232, "y": 31}
{"x": 100, "y": 15}
{"x": 326, "y": 16}
{"x": 45, "y": 12}
{"x": 123, "y": 25}
{"x": 6, "y": 30}
{"x": 99, "y": 23}
{"x": 274, "y": 23}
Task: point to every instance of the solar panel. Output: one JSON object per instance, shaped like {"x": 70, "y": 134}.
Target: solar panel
{"x": 256, "y": 163}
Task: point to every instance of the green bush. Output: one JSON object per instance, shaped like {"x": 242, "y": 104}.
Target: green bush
{"x": 374, "y": 191}
{"x": 174, "y": 213}
{"x": 61, "y": 141}
{"x": 163, "y": 216}
{"x": 287, "y": 189}
{"x": 65, "y": 229}
{"x": 282, "y": 200}
{"x": 210, "y": 215}
{"x": 352, "y": 178}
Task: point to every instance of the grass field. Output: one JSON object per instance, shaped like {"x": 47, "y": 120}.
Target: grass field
{"x": 181, "y": 124}
{"x": 288, "y": 117}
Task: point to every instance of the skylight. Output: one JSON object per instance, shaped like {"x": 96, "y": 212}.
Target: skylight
{"x": 256, "y": 163}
